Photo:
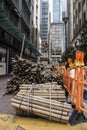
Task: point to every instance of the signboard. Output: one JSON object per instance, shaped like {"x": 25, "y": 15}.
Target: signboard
{"x": 45, "y": 47}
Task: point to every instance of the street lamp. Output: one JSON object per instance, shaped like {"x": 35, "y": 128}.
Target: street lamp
{"x": 65, "y": 19}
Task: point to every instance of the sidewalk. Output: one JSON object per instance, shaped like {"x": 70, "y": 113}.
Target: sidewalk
{"x": 5, "y": 101}
{"x": 3, "y": 84}
{"x": 3, "y": 81}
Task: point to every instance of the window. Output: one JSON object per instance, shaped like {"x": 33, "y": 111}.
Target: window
{"x": 83, "y": 1}
{"x": 7, "y": 37}
{"x": 76, "y": 13}
{"x": 79, "y": 6}
{"x": 2, "y": 34}
{"x": 74, "y": 32}
{"x": 73, "y": 5}
{"x": 76, "y": 29}
{"x": 84, "y": 17}
{"x": 2, "y": 55}
{"x": 79, "y": 23}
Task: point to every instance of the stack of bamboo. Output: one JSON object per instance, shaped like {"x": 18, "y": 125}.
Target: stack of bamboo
{"x": 27, "y": 72}
{"x": 24, "y": 71}
{"x": 52, "y": 76}
{"x": 37, "y": 105}
{"x": 44, "y": 90}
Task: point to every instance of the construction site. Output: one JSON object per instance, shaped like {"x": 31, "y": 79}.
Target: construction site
{"x": 43, "y": 64}
{"x": 36, "y": 98}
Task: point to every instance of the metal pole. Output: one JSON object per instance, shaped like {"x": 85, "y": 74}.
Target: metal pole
{"x": 22, "y": 46}
{"x": 65, "y": 19}
{"x": 48, "y": 56}
{"x": 65, "y": 37}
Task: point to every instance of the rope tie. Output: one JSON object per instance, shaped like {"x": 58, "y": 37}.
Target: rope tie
{"x": 62, "y": 112}
{"x": 29, "y": 96}
{"x": 57, "y": 94}
{"x": 21, "y": 100}
{"x": 32, "y": 93}
{"x": 50, "y": 103}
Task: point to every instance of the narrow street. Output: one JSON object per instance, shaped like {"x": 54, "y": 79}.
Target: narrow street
{"x": 43, "y": 64}
{"x": 5, "y": 101}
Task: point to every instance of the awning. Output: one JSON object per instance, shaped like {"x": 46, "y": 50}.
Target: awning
{"x": 9, "y": 26}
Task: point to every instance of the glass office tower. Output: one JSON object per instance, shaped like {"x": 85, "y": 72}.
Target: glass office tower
{"x": 56, "y": 10}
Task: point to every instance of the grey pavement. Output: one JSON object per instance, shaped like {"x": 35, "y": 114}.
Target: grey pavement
{"x": 5, "y": 100}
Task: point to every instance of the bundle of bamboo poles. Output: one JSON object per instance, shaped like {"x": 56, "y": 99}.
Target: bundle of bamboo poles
{"x": 44, "y": 90}
{"x": 46, "y": 108}
{"x": 26, "y": 72}
{"x": 52, "y": 76}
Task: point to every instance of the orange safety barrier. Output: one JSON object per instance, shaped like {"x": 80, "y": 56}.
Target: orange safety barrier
{"x": 79, "y": 56}
{"x": 75, "y": 81}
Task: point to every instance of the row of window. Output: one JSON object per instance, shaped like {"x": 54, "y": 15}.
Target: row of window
{"x": 80, "y": 4}
{"x": 25, "y": 11}
{"x": 13, "y": 15}
{"x": 4, "y": 36}
{"x": 77, "y": 27}
{"x": 74, "y": 3}
{"x": 15, "y": 18}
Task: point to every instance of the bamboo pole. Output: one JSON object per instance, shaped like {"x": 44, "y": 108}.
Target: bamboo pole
{"x": 43, "y": 91}
{"x": 44, "y": 94}
{"x": 32, "y": 105}
{"x": 41, "y": 86}
{"x": 66, "y": 118}
{"x": 37, "y": 98}
{"x": 42, "y": 104}
{"x": 22, "y": 46}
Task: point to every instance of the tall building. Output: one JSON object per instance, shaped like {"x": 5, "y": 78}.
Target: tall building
{"x": 70, "y": 21}
{"x": 57, "y": 11}
{"x": 57, "y": 40}
{"x": 64, "y": 6}
{"x": 44, "y": 27}
{"x": 14, "y": 24}
{"x": 78, "y": 12}
{"x": 35, "y": 23}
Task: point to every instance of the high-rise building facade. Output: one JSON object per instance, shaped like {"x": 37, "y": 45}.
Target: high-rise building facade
{"x": 57, "y": 40}
{"x": 78, "y": 12}
{"x": 35, "y": 23}
{"x": 70, "y": 21}
{"x": 44, "y": 27}
{"x": 57, "y": 11}
{"x": 14, "y": 26}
